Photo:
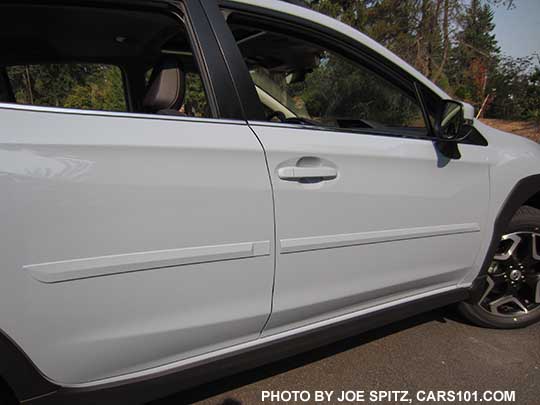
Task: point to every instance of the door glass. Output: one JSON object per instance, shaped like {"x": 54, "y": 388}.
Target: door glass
{"x": 81, "y": 86}
{"x": 66, "y": 62}
{"x": 303, "y": 82}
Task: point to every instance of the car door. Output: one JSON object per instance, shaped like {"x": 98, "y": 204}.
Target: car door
{"x": 132, "y": 240}
{"x": 368, "y": 209}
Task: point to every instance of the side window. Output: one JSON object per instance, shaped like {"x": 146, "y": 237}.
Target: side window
{"x": 81, "y": 86}
{"x": 303, "y": 82}
{"x": 66, "y": 62}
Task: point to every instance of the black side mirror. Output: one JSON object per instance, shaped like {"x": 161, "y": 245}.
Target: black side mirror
{"x": 452, "y": 125}
{"x": 450, "y": 122}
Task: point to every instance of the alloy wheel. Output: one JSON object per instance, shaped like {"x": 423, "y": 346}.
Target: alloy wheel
{"x": 513, "y": 280}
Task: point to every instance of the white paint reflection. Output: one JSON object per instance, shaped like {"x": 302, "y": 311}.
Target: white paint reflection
{"x": 29, "y": 163}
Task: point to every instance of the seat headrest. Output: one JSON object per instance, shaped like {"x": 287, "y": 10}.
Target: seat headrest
{"x": 167, "y": 87}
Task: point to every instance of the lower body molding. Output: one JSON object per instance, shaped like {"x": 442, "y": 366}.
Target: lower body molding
{"x": 76, "y": 269}
{"x": 364, "y": 238}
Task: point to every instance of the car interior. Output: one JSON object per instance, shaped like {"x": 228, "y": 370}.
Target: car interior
{"x": 151, "y": 49}
{"x": 158, "y": 71}
{"x": 284, "y": 59}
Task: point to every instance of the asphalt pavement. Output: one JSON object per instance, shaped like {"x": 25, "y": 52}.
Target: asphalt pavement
{"x": 431, "y": 352}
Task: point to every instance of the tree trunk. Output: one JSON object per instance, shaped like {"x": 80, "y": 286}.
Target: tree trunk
{"x": 446, "y": 40}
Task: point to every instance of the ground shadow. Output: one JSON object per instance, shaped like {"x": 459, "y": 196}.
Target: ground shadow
{"x": 251, "y": 376}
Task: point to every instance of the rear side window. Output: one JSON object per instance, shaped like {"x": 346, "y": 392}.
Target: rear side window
{"x": 81, "y": 86}
{"x": 102, "y": 59}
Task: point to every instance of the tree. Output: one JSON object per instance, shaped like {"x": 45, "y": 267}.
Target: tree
{"x": 69, "y": 85}
{"x": 532, "y": 99}
{"x": 509, "y": 85}
{"x": 475, "y": 57}
{"x": 102, "y": 90}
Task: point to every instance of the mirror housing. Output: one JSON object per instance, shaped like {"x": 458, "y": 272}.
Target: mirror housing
{"x": 468, "y": 112}
{"x": 451, "y": 119}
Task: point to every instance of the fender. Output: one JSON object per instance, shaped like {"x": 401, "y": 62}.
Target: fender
{"x": 526, "y": 189}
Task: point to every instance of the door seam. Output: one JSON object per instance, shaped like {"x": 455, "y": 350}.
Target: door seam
{"x": 275, "y": 229}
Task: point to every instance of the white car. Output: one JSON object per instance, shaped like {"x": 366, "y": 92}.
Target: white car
{"x": 194, "y": 188}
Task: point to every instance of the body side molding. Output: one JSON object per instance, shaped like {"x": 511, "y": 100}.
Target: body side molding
{"x": 67, "y": 270}
{"x": 364, "y": 238}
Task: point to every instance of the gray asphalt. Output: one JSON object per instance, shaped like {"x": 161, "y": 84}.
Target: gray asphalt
{"x": 434, "y": 351}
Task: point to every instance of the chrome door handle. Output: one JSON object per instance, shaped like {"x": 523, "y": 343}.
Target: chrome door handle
{"x": 299, "y": 173}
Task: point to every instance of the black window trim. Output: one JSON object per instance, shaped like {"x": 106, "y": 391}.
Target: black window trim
{"x": 244, "y": 88}
{"x": 206, "y": 48}
{"x": 336, "y": 42}
{"x": 356, "y": 51}
{"x": 206, "y": 51}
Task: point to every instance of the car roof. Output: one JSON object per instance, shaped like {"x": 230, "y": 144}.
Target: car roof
{"x": 303, "y": 12}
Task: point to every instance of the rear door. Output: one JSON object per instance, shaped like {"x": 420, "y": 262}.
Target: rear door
{"x": 368, "y": 210}
{"x": 130, "y": 241}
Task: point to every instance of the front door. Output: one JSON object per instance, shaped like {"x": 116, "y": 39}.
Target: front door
{"x": 367, "y": 209}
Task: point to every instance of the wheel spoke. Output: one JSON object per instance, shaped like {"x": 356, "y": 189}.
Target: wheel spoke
{"x": 513, "y": 279}
{"x": 536, "y": 247}
{"x": 516, "y": 239}
{"x": 507, "y": 299}
{"x": 490, "y": 286}
{"x": 534, "y": 284}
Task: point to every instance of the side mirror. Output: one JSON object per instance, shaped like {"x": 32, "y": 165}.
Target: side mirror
{"x": 450, "y": 122}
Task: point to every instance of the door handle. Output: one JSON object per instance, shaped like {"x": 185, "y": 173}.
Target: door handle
{"x": 299, "y": 173}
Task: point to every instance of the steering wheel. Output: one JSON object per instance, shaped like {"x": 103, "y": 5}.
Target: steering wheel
{"x": 299, "y": 121}
{"x": 276, "y": 114}
{"x": 292, "y": 120}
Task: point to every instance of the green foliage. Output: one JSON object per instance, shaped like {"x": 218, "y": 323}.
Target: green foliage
{"x": 340, "y": 89}
{"x": 84, "y": 86}
{"x": 451, "y": 42}
{"x": 532, "y": 97}
{"x": 510, "y": 86}
{"x": 476, "y": 55}
{"x": 196, "y": 101}
{"x": 103, "y": 90}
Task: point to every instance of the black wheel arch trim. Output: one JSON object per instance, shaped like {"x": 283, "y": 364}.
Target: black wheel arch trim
{"x": 20, "y": 373}
{"x": 523, "y": 191}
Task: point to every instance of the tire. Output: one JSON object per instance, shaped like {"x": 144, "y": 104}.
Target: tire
{"x": 6, "y": 396}
{"x": 513, "y": 276}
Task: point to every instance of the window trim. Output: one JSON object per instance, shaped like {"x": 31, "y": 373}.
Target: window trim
{"x": 364, "y": 54}
{"x": 357, "y": 131}
{"x": 345, "y": 47}
{"x": 115, "y": 114}
{"x": 244, "y": 88}
{"x": 211, "y": 59}
{"x": 217, "y": 82}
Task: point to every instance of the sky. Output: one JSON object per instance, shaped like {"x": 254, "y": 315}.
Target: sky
{"x": 518, "y": 30}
